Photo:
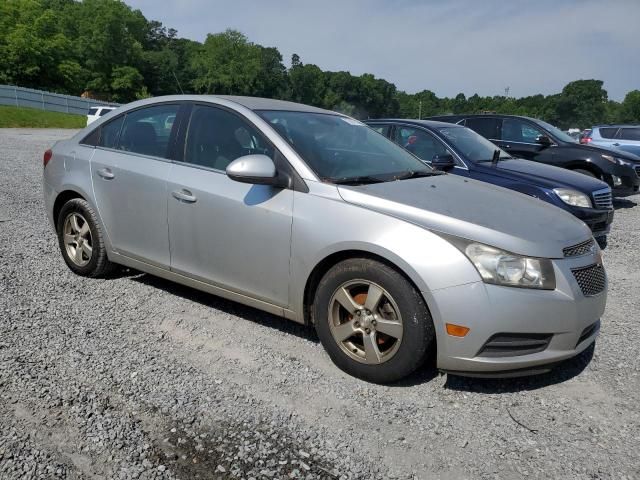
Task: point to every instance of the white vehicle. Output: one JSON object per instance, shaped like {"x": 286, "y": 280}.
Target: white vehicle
{"x": 97, "y": 112}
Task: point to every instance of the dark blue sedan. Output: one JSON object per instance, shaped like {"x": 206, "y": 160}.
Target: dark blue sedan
{"x": 461, "y": 151}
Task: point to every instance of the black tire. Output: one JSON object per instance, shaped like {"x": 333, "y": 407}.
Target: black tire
{"x": 602, "y": 241}
{"x": 98, "y": 265}
{"x": 418, "y": 334}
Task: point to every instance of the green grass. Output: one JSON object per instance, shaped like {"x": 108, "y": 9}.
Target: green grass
{"x": 14, "y": 117}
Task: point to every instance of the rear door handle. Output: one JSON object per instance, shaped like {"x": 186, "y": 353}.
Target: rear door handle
{"x": 106, "y": 173}
{"x": 184, "y": 196}
{"x": 616, "y": 144}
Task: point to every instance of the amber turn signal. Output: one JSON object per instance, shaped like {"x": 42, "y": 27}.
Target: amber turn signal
{"x": 457, "y": 330}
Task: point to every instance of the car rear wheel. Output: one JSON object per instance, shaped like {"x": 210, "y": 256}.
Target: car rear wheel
{"x": 372, "y": 321}
{"x": 81, "y": 241}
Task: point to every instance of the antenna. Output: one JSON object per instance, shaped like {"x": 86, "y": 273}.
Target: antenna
{"x": 177, "y": 81}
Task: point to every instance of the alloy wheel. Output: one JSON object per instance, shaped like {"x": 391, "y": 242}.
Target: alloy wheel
{"x": 365, "y": 322}
{"x": 77, "y": 239}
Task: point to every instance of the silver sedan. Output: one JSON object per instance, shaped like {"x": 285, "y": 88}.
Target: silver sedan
{"x": 311, "y": 215}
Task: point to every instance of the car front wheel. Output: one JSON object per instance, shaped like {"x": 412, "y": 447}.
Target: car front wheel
{"x": 372, "y": 321}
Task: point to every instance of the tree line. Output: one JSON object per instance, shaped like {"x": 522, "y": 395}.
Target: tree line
{"x": 106, "y": 48}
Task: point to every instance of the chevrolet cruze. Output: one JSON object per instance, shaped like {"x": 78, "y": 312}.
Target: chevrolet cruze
{"x": 311, "y": 215}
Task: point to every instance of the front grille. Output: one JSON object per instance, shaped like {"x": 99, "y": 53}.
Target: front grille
{"x": 591, "y": 279}
{"x": 602, "y": 199}
{"x": 583, "y": 248}
{"x": 514, "y": 344}
{"x": 589, "y": 331}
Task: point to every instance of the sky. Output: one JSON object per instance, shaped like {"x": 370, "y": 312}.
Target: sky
{"x": 448, "y": 47}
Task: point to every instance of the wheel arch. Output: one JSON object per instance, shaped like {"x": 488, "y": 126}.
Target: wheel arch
{"x": 62, "y": 198}
{"x": 586, "y": 165}
{"x": 324, "y": 265}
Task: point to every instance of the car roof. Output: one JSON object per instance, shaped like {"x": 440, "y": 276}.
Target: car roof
{"x": 492, "y": 115}
{"x": 421, "y": 123}
{"x": 618, "y": 125}
{"x": 259, "y": 103}
{"x": 251, "y": 103}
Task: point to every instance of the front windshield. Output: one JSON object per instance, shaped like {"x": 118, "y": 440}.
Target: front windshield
{"x": 471, "y": 145}
{"x": 340, "y": 149}
{"x": 556, "y": 132}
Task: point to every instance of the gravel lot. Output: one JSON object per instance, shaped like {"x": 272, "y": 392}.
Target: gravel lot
{"x": 136, "y": 377}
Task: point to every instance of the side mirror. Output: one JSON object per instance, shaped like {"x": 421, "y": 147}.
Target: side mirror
{"x": 254, "y": 169}
{"x": 543, "y": 140}
{"x": 443, "y": 162}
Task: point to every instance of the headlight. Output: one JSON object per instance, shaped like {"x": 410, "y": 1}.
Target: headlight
{"x": 617, "y": 160}
{"x": 508, "y": 269}
{"x": 573, "y": 197}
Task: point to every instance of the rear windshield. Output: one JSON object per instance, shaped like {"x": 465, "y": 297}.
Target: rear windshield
{"x": 104, "y": 111}
{"x": 93, "y": 111}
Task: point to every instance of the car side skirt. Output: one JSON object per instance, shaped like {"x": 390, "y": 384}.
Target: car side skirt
{"x": 204, "y": 286}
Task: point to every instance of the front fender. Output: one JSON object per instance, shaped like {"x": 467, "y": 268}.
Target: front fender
{"x": 323, "y": 227}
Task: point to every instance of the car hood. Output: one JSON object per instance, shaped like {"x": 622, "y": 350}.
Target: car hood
{"x": 542, "y": 175}
{"x": 474, "y": 210}
{"x": 602, "y": 150}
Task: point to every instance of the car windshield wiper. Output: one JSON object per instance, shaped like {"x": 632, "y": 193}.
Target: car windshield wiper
{"x": 359, "y": 180}
{"x": 499, "y": 159}
{"x": 418, "y": 174}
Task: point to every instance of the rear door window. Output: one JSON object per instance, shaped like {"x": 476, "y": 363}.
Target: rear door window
{"x": 148, "y": 130}
{"x": 382, "y": 129}
{"x": 109, "y": 133}
{"x": 607, "y": 132}
{"x": 629, "y": 133}
{"x": 487, "y": 127}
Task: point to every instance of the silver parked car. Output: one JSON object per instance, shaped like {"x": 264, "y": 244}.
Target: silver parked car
{"x": 311, "y": 215}
{"x": 621, "y": 137}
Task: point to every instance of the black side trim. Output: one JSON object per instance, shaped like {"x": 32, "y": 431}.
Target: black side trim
{"x": 515, "y": 344}
{"x": 588, "y": 332}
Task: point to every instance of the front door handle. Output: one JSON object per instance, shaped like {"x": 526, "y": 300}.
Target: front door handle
{"x": 106, "y": 173}
{"x": 616, "y": 144}
{"x": 184, "y": 196}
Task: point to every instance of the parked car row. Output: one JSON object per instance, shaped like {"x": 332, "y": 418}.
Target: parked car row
{"x": 314, "y": 216}
{"x": 461, "y": 151}
{"x": 536, "y": 140}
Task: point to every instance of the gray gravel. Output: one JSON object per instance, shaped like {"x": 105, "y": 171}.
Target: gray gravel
{"x": 135, "y": 377}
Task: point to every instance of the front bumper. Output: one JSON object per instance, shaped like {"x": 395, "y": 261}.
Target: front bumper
{"x": 565, "y": 315}
{"x": 629, "y": 180}
{"x": 598, "y": 221}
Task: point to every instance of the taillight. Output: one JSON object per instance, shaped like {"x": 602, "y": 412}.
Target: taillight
{"x": 47, "y": 156}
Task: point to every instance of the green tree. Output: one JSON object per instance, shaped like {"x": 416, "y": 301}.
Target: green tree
{"x": 630, "y": 109}
{"x": 581, "y": 104}
{"x": 307, "y": 84}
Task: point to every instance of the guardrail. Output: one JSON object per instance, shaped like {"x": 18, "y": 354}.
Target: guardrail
{"x": 53, "y": 102}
